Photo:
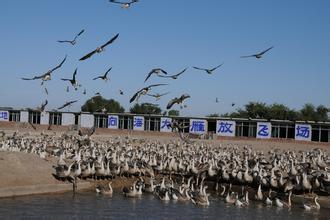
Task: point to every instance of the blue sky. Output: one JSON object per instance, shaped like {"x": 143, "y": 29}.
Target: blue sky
{"x": 172, "y": 35}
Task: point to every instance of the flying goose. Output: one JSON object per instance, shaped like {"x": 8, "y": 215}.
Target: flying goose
{"x": 72, "y": 42}
{"x": 47, "y": 75}
{"x": 143, "y": 91}
{"x": 175, "y": 76}
{"x": 67, "y": 104}
{"x": 121, "y": 92}
{"x": 177, "y": 101}
{"x": 157, "y": 95}
{"x": 43, "y": 105}
{"x": 258, "y": 55}
{"x": 73, "y": 81}
{"x": 209, "y": 71}
{"x": 124, "y": 4}
{"x": 156, "y": 71}
{"x": 99, "y": 49}
{"x": 104, "y": 77}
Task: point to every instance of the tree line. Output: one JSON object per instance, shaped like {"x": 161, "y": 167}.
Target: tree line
{"x": 309, "y": 112}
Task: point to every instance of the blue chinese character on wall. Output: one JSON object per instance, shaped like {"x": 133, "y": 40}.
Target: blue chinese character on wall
{"x": 138, "y": 122}
{"x": 263, "y": 130}
{"x": 225, "y": 127}
{"x": 198, "y": 126}
{"x": 112, "y": 122}
{"x": 303, "y": 131}
{"x": 166, "y": 123}
{"x": 4, "y": 115}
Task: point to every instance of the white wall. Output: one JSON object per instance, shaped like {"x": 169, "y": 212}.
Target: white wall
{"x": 68, "y": 119}
{"x": 24, "y": 116}
{"x": 44, "y": 118}
{"x": 86, "y": 120}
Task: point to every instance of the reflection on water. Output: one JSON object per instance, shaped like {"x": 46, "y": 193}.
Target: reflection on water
{"x": 88, "y": 205}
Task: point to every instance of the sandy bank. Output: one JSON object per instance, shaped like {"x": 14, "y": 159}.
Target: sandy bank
{"x": 26, "y": 174}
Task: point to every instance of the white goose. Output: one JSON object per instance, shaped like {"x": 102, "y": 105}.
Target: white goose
{"x": 259, "y": 195}
{"x": 316, "y": 205}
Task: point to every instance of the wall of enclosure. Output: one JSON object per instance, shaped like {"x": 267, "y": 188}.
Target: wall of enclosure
{"x": 212, "y": 127}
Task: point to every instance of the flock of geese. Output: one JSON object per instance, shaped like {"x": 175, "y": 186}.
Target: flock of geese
{"x": 174, "y": 170}
{"x": 159, "y": 72}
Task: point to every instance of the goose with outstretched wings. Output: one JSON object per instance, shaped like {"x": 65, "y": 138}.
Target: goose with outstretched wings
{"x": 72, "y": 42}
{"x": 99, "y": 49}
{"x": 143, "y": 91}
{"x": 258, "y": 55}
{"x": 179, "y": 100}
{"x": 47, "y": 75}
{"x": 209, "y": 71}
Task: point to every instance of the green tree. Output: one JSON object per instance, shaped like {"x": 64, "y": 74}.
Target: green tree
{"x": 98, "y": 104}
{"x": 321, "y": 113}
{"x": 145, "y": 108}
{"x": 173, "y": 113}
{"x": 257, "y": 110}
{"x": 308, "y": 113}
{"x": 278, "y": 111}
{"x": 213, "y": 115}
{"x": 292, "y": 115}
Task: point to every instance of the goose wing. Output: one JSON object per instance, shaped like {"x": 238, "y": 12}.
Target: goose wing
{"x": 64, "y": 41}
{"x": 184, "y": 96}
{"x": 197, "y": 68}
{"x": 171, "y": 103}
{"x": 82, "y": 31}
{"x": 88, "y": 55}
{"x": 265, "y": 51}
{"x": 55, "y": 68}
{"x": 110, "y": 41}
{"x": 248, "y": 56}
{"x": 149, "y": 74}
{"x": 74, "y": 75}
{"x": 106, "y": 73}
{"x": 184, "y": 70}
{"x": 216, "y": 67}
{"x": 99, "y": 77}
{"x": 135, "y": 95}
{"x": 154, "y": 85}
